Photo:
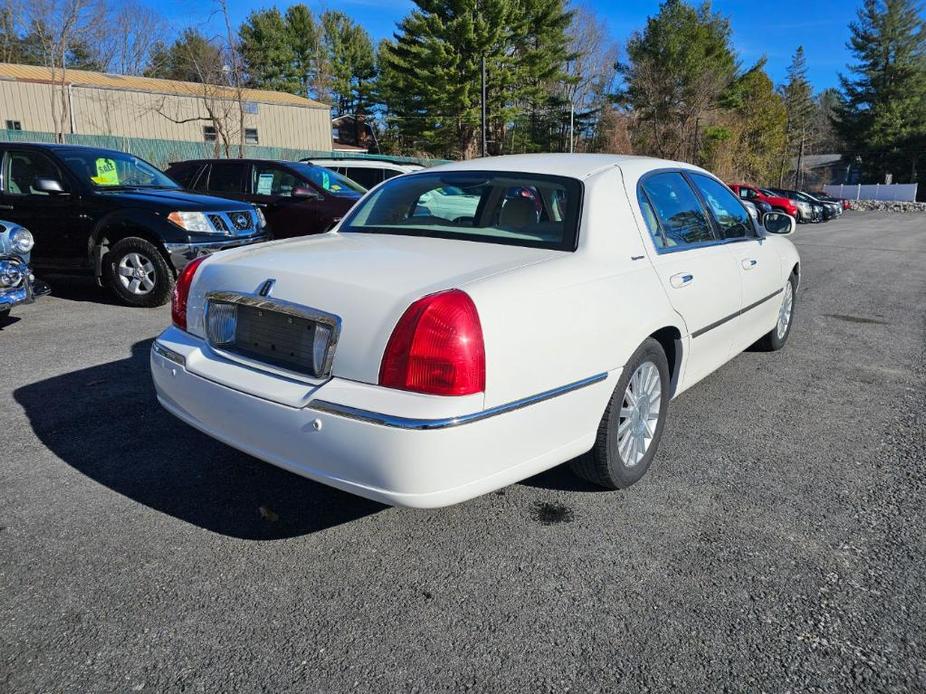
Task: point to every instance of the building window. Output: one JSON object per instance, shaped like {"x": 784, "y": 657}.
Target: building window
{"x": 250, "y": 107}
{"x": 14, "y": 125}
{"x": 209, "y": 133}
{"x": 250, "y": 136}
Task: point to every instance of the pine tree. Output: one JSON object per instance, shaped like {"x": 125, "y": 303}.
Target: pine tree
{"x": 352, "y": 63}
{"x": 431, "y": 73}
{"x": 190, "y": 58}
{"x": 268, "y": 55}
{"x": 305, "y": 41}
{"x": 679, "y": 67}
{"x": 799, "y": 103}
{"x": 883, "y": 117}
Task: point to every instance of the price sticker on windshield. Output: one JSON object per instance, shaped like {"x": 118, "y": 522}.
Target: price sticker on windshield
{"x": 106, "y": 173}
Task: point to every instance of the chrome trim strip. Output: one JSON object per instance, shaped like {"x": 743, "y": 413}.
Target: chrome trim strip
{"x": 288, "y": 308}
{"x": 411, "y": 423}
{"x": 698, "y": 333}
{"x": 168, "y": 354}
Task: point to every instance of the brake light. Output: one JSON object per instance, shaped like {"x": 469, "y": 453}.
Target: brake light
{"x": 437, "y": 347}
{"x": 182, "y": 291}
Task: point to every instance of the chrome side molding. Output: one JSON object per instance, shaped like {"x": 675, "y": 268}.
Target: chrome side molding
{"x": 447, "y": 422}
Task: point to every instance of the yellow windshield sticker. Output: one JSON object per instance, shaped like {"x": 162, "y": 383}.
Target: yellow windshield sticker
{"x": 106, "y": 173}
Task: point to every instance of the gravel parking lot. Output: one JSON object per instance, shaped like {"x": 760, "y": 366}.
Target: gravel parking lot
{"x": 776, "y": 544}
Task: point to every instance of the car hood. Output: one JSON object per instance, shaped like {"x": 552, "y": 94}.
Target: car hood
{"x": 170, "y": 200}
{"x": 368, "y": 280}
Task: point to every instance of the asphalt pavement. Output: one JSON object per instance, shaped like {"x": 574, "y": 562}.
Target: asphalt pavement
{"x": 778, "y": 542}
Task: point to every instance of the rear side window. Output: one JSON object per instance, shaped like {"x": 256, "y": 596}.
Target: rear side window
{"x": 367, "y": 177}
{"x": 225, "y": 177}
{"x": 732, "y": 218}
{"x": 676, "y": 209}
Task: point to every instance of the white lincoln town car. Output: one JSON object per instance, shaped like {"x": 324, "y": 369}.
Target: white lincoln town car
{"x": 468, "y": 326}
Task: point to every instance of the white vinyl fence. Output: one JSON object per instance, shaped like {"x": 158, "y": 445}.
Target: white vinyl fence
{"x": 876, "y": 191}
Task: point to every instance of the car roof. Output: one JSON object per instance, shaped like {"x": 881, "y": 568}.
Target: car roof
{"x": 563, "y": 164}
{"x": 364, "y": 163}
{"x": 63, "y": 147}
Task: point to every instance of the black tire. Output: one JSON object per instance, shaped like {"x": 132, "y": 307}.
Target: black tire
{"x": 4, "y": 314}
{"x": 160, "y": 273}
{"x": 604, "y": 465}
{"x": 772, "y": 341}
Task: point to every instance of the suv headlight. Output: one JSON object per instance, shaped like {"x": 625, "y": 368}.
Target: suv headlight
{"x": 21, "y": 241}
{"x": 191, "y": 221}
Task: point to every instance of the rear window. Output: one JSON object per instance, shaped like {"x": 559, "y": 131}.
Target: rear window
{"x": 494, "y": 207}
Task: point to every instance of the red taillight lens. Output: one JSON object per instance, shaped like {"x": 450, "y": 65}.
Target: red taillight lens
{"x": 437, "y": 347}
{"x": 182, "y": 291}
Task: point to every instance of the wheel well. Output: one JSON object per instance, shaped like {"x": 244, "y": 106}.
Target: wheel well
{"x": 670, "y": 339}
{"x": 796, "y": 271}
{"x": 109, "y": 235}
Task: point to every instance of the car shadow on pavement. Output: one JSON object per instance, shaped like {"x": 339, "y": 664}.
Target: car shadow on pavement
{"x": 105, "y": 422}
{"x": 83, "y": 289}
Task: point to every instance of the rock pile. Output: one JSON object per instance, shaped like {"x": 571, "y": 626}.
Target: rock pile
{"x": 887, "y": 206}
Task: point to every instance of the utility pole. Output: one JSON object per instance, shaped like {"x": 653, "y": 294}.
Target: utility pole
{"x": 483, "y": 92}
{"x": 800, "y": 164}
{"x": 572, "y": 119}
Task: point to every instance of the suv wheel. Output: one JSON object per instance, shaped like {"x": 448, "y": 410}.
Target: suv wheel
{"x": 137, "y": 273}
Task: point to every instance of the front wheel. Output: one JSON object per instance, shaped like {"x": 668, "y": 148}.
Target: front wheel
{"x": 776, "y": 338}
{"x": 137, "y": 273}
{"x": 4, "y": 314}
{"x": 631, "y": 427}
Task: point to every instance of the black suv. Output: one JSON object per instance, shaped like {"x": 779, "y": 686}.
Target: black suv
{"x": 116, "y": 217}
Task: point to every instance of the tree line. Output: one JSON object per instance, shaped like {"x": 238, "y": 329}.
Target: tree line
{"x": 546, "y": 73}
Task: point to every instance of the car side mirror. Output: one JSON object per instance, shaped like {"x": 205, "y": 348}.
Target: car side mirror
{"x": 779, "y": 223}
{"x": 305, "y": 192}
{"x": 52, "y": 186}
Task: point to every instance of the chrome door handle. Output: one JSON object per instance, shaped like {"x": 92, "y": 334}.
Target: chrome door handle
{"x": 682, "y": 279}
{"x": 6, "y": 207}
{"x": 749, "y": 263}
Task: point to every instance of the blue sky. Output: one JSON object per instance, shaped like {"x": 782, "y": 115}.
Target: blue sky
{"x": 772, "y": 29}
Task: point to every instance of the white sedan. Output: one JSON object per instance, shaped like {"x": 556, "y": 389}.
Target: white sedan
{"x": 422, "y": 361}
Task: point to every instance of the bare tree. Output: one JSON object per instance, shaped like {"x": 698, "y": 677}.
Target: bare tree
{"x": 59, "y": 26}
{"x": 132, "y": 33}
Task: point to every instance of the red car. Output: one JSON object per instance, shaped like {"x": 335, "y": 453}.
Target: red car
{"x": 778, "y": 203}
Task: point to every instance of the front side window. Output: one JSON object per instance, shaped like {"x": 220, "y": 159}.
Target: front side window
{"x": 267, "y": 179}
{"x": 225, "y": 177}
{"x": 22, "y": 170}
{"x": 107, "y": 169}
{"x": 475, "y": 206}
{"x": 732, "y": 218}
{"x": 330, "y": 181}
{"x": 677, "y": 209}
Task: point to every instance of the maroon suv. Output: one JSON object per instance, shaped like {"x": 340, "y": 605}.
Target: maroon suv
{"x": 296, "y": 198}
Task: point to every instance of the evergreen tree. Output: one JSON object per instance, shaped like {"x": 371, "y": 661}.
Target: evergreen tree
{"x": 679, "y": 67}
{"x": 883, "y": 118}
{"x": 352, "y": 63}
{"x": 432, "y": 71}
{"x": 799, "y": 103}
{"x": 304, "y": 41}
{"x": 190, "y": 58}
{"x": 268, "y": 55}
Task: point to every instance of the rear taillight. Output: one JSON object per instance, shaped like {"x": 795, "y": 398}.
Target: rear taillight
{"x": 182, "y": 291}
{"x": 437, "y": 347}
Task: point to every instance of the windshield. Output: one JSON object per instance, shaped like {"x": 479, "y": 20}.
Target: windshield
{"x": 106, "y": 169}
{"x": 330, "y": 181}
{"x": 495, "y": 207}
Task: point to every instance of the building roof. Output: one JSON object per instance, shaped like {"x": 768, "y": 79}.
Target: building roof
{"x": 151, "y": 85}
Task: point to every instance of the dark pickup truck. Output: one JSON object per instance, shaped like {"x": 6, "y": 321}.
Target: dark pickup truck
{"x": 115, "y": 217}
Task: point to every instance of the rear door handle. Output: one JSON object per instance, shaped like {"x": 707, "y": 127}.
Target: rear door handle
{"x": 682, "y": 279}
{"x": 6, "y": 207}
{"x": 749, "y": 263}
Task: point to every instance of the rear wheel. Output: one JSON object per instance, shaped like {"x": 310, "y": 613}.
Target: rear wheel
{"x": 631, "y": 427}
{"x": 137, "y": 273}
{"x": 4, "y": 314}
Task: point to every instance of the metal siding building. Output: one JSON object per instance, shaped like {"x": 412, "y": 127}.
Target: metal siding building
{"x": 144, "y": 107}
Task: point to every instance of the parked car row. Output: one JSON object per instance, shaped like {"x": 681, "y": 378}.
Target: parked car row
{"x": 804, "y": 207}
